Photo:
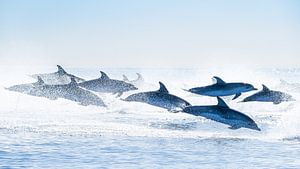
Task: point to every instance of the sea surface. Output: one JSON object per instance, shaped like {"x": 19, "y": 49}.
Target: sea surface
{"x": 41, "y": 133}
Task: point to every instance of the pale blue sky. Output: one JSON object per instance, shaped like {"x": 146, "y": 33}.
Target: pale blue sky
{"x": 150, "y": 33}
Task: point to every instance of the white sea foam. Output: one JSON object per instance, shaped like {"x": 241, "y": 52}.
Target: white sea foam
{"x": 23, "y": 113}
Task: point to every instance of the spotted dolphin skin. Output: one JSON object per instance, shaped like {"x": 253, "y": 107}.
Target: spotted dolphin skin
{"x": 104, "y": 84}
{"x": 267, "y": 95}
{"x": 58, "y": 77}
{"x": 221, "y": 88}
{"x": 223, "y": 114}
{"x": 69, "y": 91}
{"x": 26, "y": 88}
{"x": 160, "y": 98}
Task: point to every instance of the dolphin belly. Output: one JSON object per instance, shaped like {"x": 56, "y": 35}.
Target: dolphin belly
{"x": 215, "y": 91}
{"x": 163, "y": 103}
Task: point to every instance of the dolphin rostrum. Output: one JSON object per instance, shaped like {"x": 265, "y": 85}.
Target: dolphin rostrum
{"x": 221, "y": 88}
{"x": 59, "y": 77}
{"x": 160, "y": 98}
{"x": 267, "y": 95}
{"x": 104, "y": 84}
{"x": 223, "y": 114}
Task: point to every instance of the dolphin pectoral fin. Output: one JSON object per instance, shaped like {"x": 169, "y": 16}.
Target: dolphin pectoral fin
{"x": 236, "y": 96}
{"x": 174, "y": 110}
{"x": 277, "y": 102}
{"x": 83, "y": 104}
{"x": 119, "y": 94}
{"x": 52, "y": 98}
{"x": 234, "y": 127}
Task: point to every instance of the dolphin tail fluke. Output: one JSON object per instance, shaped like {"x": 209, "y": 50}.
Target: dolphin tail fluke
{"x": 236, "y": 96}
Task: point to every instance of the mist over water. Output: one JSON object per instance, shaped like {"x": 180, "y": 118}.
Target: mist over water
{"x": 34, "y": 130}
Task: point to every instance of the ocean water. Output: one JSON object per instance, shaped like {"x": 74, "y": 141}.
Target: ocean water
{"x": 40, "y": 133}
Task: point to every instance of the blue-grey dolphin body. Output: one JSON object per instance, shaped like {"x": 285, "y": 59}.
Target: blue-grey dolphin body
{"x": 267, "y": 95}
{"x": 25, "y": 88}
{"x": 221, "y": 88}
{"x": 59, "y": 77}
{"x": 69, "y": 91}
{"x": 160, "y": 98}
{"x": 223, "y": 114}
{"x": 104, "y": 84}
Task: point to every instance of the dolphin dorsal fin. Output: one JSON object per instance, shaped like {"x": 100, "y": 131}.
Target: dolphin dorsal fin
{"x": 265, "y": 88}
{"x": 140, "y": 77}
{"x": 104, "y": 76}
{"x": 125, "y": 78}
{"x": 162, "y": 88}
{"x": 219, "y": 80}
{"x": 221, "y": 102}
{"x": 73, "y": 82}
{"x": 40, "y": 81}
{"x": 60, "y": 70}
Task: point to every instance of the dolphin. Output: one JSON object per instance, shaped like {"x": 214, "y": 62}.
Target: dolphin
{"x": 267, "y": 95}
{"x": 135, "y": 82}
{"x": 160, "y": 98}
{"x": 25, "y": 88}
{"x": 223, "y": 114}
{"x": 221, "y": 88}
{"x": 59, "y": 77}
{"x": 104, "y": 84}
{"x": 69, "y": 91}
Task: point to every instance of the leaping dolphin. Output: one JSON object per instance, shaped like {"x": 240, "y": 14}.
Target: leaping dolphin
{"x": 105, "y": 84}
{"x": 160, "y": 98}
{"x": 135, "y": 82}
{"x": 267, "y": 95}
{"x": 221, "y": 88}
{"x": 69, "y": 91}
{"x": 25, "y": 88}
{"x": 223, "y": 114}
{"x": 59, "y": 77}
